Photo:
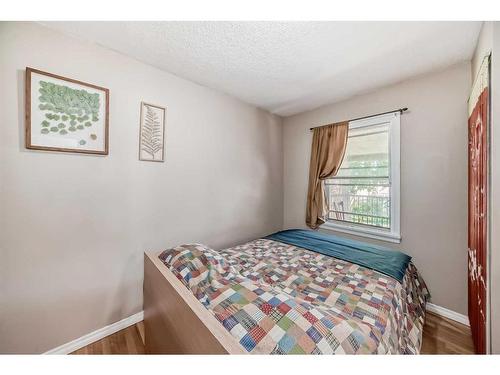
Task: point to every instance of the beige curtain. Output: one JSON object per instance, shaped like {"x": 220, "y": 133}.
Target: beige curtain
{"x": 327, "y": 151}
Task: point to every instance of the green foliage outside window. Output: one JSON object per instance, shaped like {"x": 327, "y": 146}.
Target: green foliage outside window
{"x": 364, "y": 197}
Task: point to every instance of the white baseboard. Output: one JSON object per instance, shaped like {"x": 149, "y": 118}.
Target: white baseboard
{"x": 447, "y": 313}
{"x": 97, "y": 335}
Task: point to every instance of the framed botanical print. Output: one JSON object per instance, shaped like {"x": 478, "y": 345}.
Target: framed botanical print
{"x": 64, "y": 114}
{"x": 152, "y": 132}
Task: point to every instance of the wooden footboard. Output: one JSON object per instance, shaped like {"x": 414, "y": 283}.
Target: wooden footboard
{"x": 175, "y": 321}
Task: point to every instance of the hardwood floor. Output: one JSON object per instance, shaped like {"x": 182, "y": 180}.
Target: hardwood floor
{"x": 441, "y": 336}
{"x": 444, "y": 336}
{"x": 127, "y": 341}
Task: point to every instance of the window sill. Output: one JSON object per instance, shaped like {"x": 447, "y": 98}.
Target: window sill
{"x": 362, "y": 232}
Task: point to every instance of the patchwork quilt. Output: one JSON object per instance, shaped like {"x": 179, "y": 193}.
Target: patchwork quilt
{"x": 276, "y": 298}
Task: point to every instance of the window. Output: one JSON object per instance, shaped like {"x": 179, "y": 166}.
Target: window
{"x": 363, "y": 198}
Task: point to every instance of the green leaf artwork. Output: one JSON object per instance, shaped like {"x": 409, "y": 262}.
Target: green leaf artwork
{"x": 65, "y": 115}
{"x": 62, "y": 103}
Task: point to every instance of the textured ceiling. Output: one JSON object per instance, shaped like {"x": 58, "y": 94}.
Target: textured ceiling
{"x": 287, "y": 67}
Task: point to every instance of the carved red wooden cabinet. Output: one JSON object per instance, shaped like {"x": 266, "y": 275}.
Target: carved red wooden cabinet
{"x": 477, "y": 209}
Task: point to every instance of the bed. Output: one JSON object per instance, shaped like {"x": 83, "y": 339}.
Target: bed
{"x": 293, "y": 292}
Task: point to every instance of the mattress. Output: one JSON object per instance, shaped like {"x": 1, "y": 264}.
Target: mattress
{"x": 276, "y": 298}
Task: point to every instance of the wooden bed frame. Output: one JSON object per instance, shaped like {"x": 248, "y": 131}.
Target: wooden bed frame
{"x": 175, "y": 321}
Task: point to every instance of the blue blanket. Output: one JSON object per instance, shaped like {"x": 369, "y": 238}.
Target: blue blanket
{"x": 389, "y": 262}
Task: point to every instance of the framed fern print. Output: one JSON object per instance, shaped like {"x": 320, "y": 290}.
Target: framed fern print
{"x": 63, "y": 114}
{"x": 152, "y": 133}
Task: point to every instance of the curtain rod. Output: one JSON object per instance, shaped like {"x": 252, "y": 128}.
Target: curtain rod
{"x": 400, "y": 110}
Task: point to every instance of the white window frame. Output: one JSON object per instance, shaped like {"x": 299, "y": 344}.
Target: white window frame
{"x": 394, "y": 233}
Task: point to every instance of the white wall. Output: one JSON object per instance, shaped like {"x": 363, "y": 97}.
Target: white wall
{"x": 73, "y": 228}
{"x": 433, "y": 172}
{"x": 483, "y": 47}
